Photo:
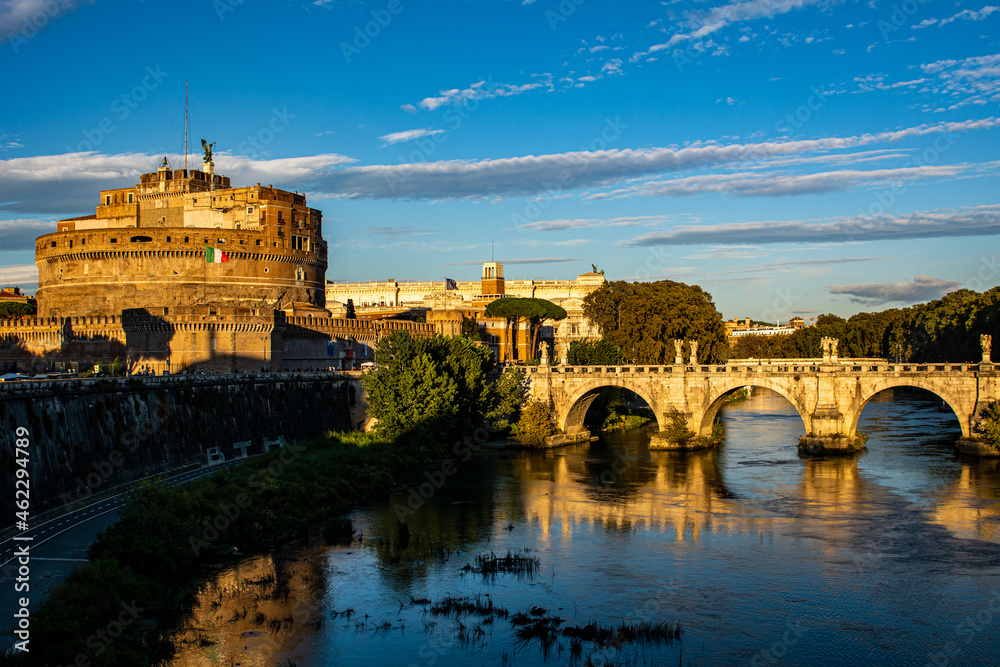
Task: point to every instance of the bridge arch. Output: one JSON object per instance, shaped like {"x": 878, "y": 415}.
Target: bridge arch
{"x": 950, "y": 399}
{"x": 702, "y": 420}
{"x": 580, "y": 402}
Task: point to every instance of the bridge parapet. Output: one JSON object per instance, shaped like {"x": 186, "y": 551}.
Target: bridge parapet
{"x": 829, "y": 396}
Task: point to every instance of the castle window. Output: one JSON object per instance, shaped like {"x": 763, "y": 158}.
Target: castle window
{"x": 186, "y": 239}
{"x": 114, "y": 240}
{"x": 267, "y": 270}
{"x": 221, "y": 240}
{"x": 107, "y": 200}
{"x": 249, "y": 210}
{"x": 168, "y": 239}
{"x": 258, "y": 241}
{"x": 130, "y": 200}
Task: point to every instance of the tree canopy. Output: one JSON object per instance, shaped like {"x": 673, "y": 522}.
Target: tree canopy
{"x": 536, "y": 311}
{"x": 585, "y": 352}
{"x": 947, "y": 329}
{"x": 14, "y": 309}
{"x": 428, "y": 391}
{"x": 643, "y": 320}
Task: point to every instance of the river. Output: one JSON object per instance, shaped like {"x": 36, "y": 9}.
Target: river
{"x": 759, "y": 556}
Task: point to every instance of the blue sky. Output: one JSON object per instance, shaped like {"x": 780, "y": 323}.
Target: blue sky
{"x": 792, "y": 157}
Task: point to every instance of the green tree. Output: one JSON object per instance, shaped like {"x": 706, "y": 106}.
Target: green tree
{"x": 470, "y": 328}
{"x": 535, "y": 424}
{"x": 587, "y": 352}
{"x": 9, "y": 309}
{"x": 643, "y": 320}
{"x": 988, "y": 427}
{"x": 507, "y": 396}
{"x": 428, "y": 391}
{"x": 755, "y": 346}
{"x": 535, "y": 311}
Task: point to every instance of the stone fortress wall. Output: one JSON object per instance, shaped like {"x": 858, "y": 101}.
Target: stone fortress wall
{"x": 146, "y": 245}
{"x": 131, "y": 282}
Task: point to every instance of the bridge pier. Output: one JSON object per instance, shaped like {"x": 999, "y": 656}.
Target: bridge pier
{"x": 829, "y": 394}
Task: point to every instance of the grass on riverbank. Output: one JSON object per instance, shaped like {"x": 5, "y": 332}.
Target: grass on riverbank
{"x": 621, "y": 418}
{"x": 116, "y": 610}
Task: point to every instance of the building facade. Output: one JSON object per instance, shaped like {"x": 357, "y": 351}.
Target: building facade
{"x": 185, "y": 272}
{"x": 446, "y": 308}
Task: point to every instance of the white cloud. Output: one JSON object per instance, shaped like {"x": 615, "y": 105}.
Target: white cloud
{"x": 923, "y": 288}
{"x": 20, "y": 234}
{"x": 943, "y": 223}
{"x": 20, "y": 275}
{"x": 970, "y": 81}
{"x": 16, "y": 15}
{"x": 481, "y": 90}
{"x": 970, "y": 15}
{"x": 70, "y": 183}
{"x": 752, "y": 184}
{"x": 586, "y": 223}
{"x": 702, "y": 24}
{"x": 571, "y": 171}
{"x": 409, "y": 135}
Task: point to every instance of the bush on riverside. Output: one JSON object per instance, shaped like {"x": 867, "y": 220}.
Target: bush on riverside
{"x": 168, "y": 534}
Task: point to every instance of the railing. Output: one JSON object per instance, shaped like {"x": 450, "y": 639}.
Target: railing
{"x": 766, "y": 367}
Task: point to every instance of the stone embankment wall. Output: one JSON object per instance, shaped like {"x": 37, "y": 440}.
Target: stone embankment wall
{"x": 91, "y": 436}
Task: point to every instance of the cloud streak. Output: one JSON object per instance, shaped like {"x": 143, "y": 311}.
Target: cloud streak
{"x": 703, "y": 24}
{"x": 943, "y": 223}
{"x": 922, "y": 288}
{"x": 69, "y": 183}
{"x": 409, "y": 135}
{"x": 779, "y": 184}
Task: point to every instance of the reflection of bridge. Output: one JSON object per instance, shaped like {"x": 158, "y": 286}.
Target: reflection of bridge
{"x": 828, "y": 394}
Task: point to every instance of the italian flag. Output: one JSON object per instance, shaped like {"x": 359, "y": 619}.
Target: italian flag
{"x": 215, "y": 256}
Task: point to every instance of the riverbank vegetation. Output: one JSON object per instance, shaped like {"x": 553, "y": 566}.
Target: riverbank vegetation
{"x": 944, "y": 330}
{"x": 428, "y": 394}
{"x": 148, "y": 562}
{"x": 534, "y": 425}
{"x": 987, "y": 428}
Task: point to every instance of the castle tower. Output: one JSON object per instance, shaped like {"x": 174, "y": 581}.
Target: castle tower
{"x": 493, "y": 284}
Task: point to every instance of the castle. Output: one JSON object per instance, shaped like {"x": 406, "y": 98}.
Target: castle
{"x": 185, "y": 272}
{"x": 136, "y": 281}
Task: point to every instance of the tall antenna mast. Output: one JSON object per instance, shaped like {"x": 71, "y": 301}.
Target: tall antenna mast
{"x": 185, "y": 126}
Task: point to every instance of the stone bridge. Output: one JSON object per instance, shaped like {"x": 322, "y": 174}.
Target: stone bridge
{"x": 829, "y": 394}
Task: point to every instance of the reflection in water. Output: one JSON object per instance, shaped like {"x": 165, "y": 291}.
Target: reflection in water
{"x": 758, "y": 554}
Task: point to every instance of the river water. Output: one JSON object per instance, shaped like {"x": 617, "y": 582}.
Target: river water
{"x": 761, "y": 557}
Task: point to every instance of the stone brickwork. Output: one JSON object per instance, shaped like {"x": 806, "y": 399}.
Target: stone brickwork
{"x": 145, "y": 246}
{"x": 828, "y": 395}
{"x": 131, "y": 283}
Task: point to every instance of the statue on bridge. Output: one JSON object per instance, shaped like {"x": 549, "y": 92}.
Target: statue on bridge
{"x": 694, "y": 353}
{"x": 985, "y": 341}
{"x": 678, "y": 352}
{"x": 829, "y": 346}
